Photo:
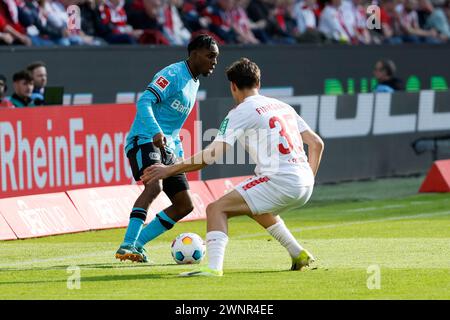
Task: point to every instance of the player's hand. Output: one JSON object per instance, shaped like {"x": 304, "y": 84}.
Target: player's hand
{"x": 155, "y": 172}
{"x": 159, "y": 140}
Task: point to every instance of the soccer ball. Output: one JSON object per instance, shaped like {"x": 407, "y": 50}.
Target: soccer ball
{"x": 188, "y": 248}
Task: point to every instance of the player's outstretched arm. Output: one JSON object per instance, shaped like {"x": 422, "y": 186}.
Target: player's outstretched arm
{"x": 315, "y": 149}
{"x": 208, "y": 156}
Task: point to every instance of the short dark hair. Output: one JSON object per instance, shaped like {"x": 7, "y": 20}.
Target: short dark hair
{"x": 244, "y": 73}
{"x": 389, "y": 67}
{"x": 35, "y": 65}
{"x": 201, "y": 41}
{"x": 22, "y": 75}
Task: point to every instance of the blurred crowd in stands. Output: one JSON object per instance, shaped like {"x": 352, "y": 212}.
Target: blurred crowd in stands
{"x": 173, "y": 22}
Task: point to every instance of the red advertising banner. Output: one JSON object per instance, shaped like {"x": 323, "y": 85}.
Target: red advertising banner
{"x": 220, "y": 187}
{"x": 106, "y": 207}
{"x": 42, "y": 215}
{"x": 5, "y": 231}
{"x": 52, "y": 149}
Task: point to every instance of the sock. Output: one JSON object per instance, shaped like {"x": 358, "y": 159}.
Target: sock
{"x": 137, "y": 218}
{"x": 216, "y": 242}
{"x": 160, "y": 224}
{"x": 280, "y": 232}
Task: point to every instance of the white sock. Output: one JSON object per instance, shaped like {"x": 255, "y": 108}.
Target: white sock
{"x": 280, "y": 232}
{"x": 216, "y": 242}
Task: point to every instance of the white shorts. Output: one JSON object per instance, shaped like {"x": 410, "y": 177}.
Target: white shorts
{"x": 274, "y": 194}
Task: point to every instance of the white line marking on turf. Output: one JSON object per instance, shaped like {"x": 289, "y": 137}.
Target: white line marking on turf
{"x": 364, "y": 209}
{"x": 392, "y": 206}
{"x": 344, "y": 224}
{"x": 245, "y": 236}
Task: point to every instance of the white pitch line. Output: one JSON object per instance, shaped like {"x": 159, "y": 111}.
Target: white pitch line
{"x": 364, "y": 209}
{"x": 344, "y": 224}
{"x": 245, "y": 236}
{"x": 391, "y": 206}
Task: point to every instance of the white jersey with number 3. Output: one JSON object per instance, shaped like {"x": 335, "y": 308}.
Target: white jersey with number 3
{"x": 269, "y": 130}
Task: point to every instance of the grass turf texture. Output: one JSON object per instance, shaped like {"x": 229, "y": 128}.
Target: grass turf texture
{"x": 348, "y": 227}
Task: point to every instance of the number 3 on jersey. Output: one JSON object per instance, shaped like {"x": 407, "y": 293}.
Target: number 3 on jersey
{"x": 284, "y": 123}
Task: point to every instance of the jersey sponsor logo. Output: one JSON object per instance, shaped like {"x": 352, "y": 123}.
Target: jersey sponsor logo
{"x": 177, "y": 105}
{"x": 162, "y": 83}
{"x": 223, "y": 126}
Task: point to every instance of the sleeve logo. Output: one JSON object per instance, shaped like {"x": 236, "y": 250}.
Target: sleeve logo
{"x": 223, "y": 126}
{"x": 162, "y": 83}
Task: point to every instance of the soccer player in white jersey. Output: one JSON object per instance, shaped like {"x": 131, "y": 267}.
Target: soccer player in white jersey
{"x": 273, "y": 134}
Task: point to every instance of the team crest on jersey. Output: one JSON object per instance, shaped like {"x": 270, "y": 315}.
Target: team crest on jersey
{"x": 223, "y": 126}
{"x": 154, "y": 156}
{"x": 162, "y": 83}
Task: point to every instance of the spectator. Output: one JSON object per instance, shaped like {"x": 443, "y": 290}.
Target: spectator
{"x": 258, "y": 11}
{"x": 284, "y": 22}
{"x": 6, "y": 38}
{"x": 91, "y": 22}
{"x": 190, "y": 14}
{"x": 173, "y": 27}
{"x": 306, "y": 12}
{"x": 49, "y": 25}
{"x": 354, "y": 14}
{"x": 23, "y": 90}
{"x": 384, "y": 72}
{"x": 10, "y": 24}
{"x": 38, "y": 71}
{"x": 433, "y": 18}
{"x": 241, "y": 23}
{"x": 390, "y": 23}
{"x": 38, "y": 30}
{"x": 114, "y": 16}
{"x": 275, "y": 17}
{"x": 219, "y": 12}
{"x": 332, "y": 23}
{"x": 409, "y": 22}
{"x": 147, "y": 17}
{"x": 4, "y": 103}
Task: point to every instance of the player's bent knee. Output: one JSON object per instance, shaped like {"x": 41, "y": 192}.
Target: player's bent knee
{"x": 184, "y": 209}
{"x": 152, "y": 190}
{"x": 214, "y": 208}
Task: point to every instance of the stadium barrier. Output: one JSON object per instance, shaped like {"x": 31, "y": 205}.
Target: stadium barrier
{"x": 105, "y": 207}
{"x": 6, "y": 232}
{"x": 367, "y": 136}
{"x": 438, "y": 177}
{"x": 42, "y": 215}
{"x": 99, "y": 74}
{"x": 54, "y": 149}
{"x": 94, "y": 208}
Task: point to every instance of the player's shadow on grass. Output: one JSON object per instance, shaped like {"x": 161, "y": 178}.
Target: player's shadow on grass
{"x": 91, "y": 266}
{"x": 123, "y": 277}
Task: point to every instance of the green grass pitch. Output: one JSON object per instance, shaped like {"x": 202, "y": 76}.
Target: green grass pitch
{"x": 358, "y": 232}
